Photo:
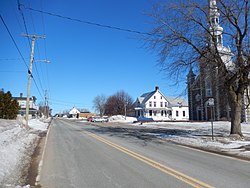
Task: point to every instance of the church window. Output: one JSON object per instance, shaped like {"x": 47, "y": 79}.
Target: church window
{"x": 208, "y": 87}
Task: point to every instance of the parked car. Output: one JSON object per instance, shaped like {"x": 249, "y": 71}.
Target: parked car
{"x": 99, "y": 119}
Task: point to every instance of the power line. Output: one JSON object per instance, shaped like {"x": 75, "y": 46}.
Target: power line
{"x": 13, "y": 40}
{"x": 24, "y": 22}
{"x": 26, "y": 29}
{"x": 87, "y": 22}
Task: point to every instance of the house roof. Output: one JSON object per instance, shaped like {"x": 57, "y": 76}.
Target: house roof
{"x": 177, "y": 101}
{"x": 146, "y": 96}
{"x": 173, "y": 101}
{"x": 74, "y": 111}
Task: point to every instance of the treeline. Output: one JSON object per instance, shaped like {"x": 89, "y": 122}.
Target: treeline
{"x": 120, "y": 103}
{"x": 8, "y": 106}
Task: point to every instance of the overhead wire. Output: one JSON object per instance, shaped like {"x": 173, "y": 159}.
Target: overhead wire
{"x": 26, "y": 29}
{"x": 45, "y": 49}
{"x": 13, "y": 40}
{"x": 86, "y": 22}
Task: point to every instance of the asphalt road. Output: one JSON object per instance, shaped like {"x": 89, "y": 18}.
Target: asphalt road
{"x": 79, "y": 155}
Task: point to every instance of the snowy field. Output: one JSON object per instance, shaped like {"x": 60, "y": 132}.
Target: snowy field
{"x": 196, "y": 134}
{"x": 16, "y": 147}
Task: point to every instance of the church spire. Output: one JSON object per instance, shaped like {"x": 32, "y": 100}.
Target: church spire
{"x": 215, "y": 29}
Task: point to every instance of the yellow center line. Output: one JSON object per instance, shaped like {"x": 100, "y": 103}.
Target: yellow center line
{"x": 170, "y": 171}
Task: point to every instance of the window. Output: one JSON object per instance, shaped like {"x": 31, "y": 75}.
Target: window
{"x": 161, "y": 104}
{"x": 177, "y": 113}
{"x": 150, "y": 112}
{"x": 161, "y": 97}
{"x": 155, "y": 113}
{"x": 162, "y": 112}
{"x": 154, "y": 104}
{"x": 166, "y": 104}
{"x": 184, "y": 113}
{"x": 154, "y": 97}
{"x": 170, "y": 113}
{"x": 208, "y": 87}
{"x": 150, "y": 104}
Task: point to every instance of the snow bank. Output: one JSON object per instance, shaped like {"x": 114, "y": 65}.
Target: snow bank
{"x": 121, "y": 119}
{"x": 16, "y": 147}
{"x": 199, "y": 135}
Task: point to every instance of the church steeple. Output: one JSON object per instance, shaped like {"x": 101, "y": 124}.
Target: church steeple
{"x": 215, "y": 29}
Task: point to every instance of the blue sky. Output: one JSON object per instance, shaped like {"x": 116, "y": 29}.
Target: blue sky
{"x": 86, "y": 60}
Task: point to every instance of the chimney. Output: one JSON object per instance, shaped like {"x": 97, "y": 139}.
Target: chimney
{"x": 156, "y": 88}
{"x": 21, "y": 95}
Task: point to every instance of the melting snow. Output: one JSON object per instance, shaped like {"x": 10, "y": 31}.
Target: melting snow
{"x": 16, "y": 147}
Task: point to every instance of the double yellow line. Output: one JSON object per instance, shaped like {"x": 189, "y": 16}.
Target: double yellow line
{"x": 170, "y": 171}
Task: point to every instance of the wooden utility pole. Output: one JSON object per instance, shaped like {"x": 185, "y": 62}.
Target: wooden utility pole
{"x": 33, "y": 38}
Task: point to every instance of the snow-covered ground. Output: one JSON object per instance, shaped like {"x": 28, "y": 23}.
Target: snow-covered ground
{"x": 17, "y": 145}
{"x": 200, "y": 135}
{"x": 196, "y": 134}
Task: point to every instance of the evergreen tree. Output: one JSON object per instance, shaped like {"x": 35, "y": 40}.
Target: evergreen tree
{"x": 8, "y": 106}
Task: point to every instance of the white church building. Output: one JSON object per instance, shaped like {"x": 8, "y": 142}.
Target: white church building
{"x": 156, "y": 106}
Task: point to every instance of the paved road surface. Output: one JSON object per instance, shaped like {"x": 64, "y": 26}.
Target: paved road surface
{"x": 79, "y": 155}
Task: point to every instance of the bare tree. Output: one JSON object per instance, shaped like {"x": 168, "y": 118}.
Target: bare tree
{"x": 119, "y": 104}
{"x": 183, "y": 35}
{"x": 99, "y": 104}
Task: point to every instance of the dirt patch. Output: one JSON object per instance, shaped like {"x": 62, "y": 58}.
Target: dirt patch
{"x": 36, "y": 158}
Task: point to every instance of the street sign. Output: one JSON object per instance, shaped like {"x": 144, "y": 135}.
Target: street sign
{"x": 211, "y": 101}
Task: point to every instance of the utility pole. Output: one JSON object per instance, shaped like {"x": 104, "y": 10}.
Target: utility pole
{"x": 46, "y": 105}
{"x": 33, "y": 38}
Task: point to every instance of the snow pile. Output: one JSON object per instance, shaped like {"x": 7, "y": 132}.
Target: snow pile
{"x": 121, "y": 119}
{"x": 199, "y": 135}
{"x": 16, "y": 148}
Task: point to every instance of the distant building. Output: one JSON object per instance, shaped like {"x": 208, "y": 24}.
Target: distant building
{"x": 158, "y": 107}
{"x": 73, "y": 112}
{"x": 33, "y": 108}
{"x": 85, "y": 114}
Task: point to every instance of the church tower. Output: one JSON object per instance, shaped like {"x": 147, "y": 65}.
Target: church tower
{"x": 207, "y": 84}
{"x": 214, "y": 28}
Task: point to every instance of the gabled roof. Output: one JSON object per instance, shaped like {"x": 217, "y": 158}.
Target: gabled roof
{"x": 146, "y": 96}
{"x": 74, "y": 111}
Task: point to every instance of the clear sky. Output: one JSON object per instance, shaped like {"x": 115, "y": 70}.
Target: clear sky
{"x": 85, "y": 60}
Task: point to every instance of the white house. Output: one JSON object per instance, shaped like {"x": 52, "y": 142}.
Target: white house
{"x": 33, "y": 108}
{"x": 179, "y": 109}
{"x": 73, "y": 112}
{"x": 158, "y": 107}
